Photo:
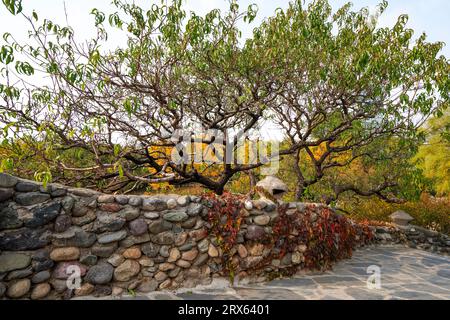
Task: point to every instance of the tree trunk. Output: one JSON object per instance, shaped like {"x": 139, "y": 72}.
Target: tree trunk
{"x": 252, "y": 177}
{"x": 299, "y": 189}
{"x": 300, "y": 185}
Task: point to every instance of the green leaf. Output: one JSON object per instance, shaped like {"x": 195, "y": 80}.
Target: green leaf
{"x": 120, "y": 168}
{"x": 363, "y": 61}
{"x": 116, "y": 150}
{"x": 6, "y": 164}
{"x": 43, "y": 176}
{"x": 94, "y": 57}
{"x": 6, "y": 54}
{"x": 13, "y": 6}
{"x": 99, "y": 16}
{"x": 24, "y": 68}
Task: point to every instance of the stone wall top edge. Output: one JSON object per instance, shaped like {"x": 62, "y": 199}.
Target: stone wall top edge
{"x": 11, "y": 181}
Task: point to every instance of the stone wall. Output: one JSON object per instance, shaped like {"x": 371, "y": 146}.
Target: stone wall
{"x": 412, "y": 236}
{"x": 120, "y": 243}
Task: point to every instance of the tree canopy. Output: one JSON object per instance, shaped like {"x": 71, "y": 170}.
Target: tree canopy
{"x": 330, "y": 80}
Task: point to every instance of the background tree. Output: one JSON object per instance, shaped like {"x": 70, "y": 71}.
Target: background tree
{"x": 433, "y": 156}
{"x": 351, "y": 90}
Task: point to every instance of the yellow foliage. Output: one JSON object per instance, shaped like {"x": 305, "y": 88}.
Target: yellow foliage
{"x": 429, "y": 212}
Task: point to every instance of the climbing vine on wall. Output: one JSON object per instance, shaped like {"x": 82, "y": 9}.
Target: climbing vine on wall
{"x": 316, "y": 235}
{"x": 325, "y": 236}
{"x": 225, "y": 217}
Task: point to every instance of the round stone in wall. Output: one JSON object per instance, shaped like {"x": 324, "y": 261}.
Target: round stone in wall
{"x": 212, "y": 251}
{"x": 183, "y": 200}
{"x": 30, "y": 198}
{"x": 85, "y": 289}
{"x": 40, "y": 291}
{"x": 12, "y": 261}
{"x": 259, "y": 204}
{"x": 151, "y": 215}
{"x": 203, "y": 245}
{"x": 112, "y": 237}
{"x": 171, "y": 203}
{"x": 127, "y": 270}
{"x": 18, "y": 288}
{"x": 129, "y": 213}
{"x": 89, "y": 259}
{"x": 189, "y": 223}
{"x": 174, "y": 255}
{"x": 65, "y": 254}
{"x": 296, "y": 257}
{"x": 104, "y": 251}
{"x": 7, "y": 181}
{"x": 116, "y": 259}
{"x": 194, "y": 209}
{"x": 43, "y": 214}
{"x": 101, "y": 273}
{"x": 105, "y": 198}
{"x": 121, "y": 199}
{"x": 242, "y": 251}
{"x": 189, "y": 255}
{"x": 146, "y": 262}
{"x": 39, "y": 266}
{"x": 19, "y": 274}
{"x": 110, "y": 207}
{"x": 160, "y": 276}
{"x": 132, "y": 253}
{"x": 9, "y": 219}
{"x": 138, "y": 227}
{"x": 62, "y": 223}
{"x": 159, "y": 226}
{"x": 164, "y": 251}
{"x": 154, "y": 204}
{"x": 183, "y": 264}
{"x": 162, "y": 238}
{"x": 201, "y": 259}
{"x": 255, "y": 232}
{"x": 135, "y": 201}
{"x": 6, "y": 194}
{"x": 26, "y": 186}
{"x": 175, "y": 216}
{"x": 262, "y": 220}
{"x": 41, "y": 276}
{"x": 151, "y": 250}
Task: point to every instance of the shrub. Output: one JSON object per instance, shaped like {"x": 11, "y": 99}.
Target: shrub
{"x": 429, "y": 212}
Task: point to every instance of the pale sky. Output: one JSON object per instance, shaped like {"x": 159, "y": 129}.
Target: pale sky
{"x": 430, "y": 16}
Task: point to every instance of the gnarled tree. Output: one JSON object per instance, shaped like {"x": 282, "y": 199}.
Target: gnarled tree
{"x": 332, "y": 80}
{"x": 356, "y": 91}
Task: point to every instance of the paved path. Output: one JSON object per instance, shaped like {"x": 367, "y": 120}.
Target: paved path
{"x": 405, "y": 274}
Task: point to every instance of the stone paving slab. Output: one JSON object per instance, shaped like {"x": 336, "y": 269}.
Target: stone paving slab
{"x": 406, "y": 273}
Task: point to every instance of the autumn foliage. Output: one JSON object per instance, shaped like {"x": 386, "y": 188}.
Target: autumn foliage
{"x": 326, "y": 236}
